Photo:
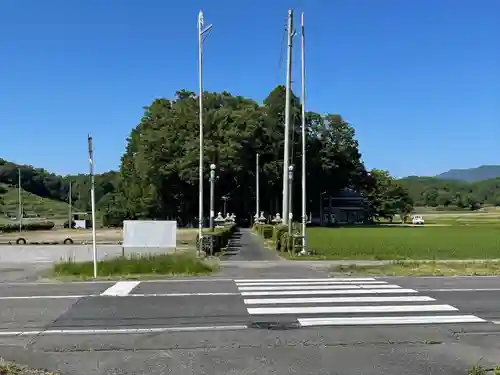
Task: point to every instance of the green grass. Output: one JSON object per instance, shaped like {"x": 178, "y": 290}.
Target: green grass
{"x": 32, "y": 203}
{"x": 413, "y": 268}
{"x": 10, "y": 368}
{"x": 135, "y": 266}
{"x": 397, "y": 243}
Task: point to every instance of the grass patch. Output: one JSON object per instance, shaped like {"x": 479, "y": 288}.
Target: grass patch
{"x": 137, "y": 265}
{"x": 402, "y": 243}
{"x": 32, "y": 203}
{"x": 433, "y": 268}
{"x": 10, "y": 368}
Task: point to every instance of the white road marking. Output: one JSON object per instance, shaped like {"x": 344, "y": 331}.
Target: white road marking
{"x": 370, "y": 320}
{"x": 184, "y": 294}
{"x": 121, "y": 330}
{"x": 128, "y": 295}
{"x": 304, "y": 280}
{"x": 462, "y": 290}
{"x": 316, "y": 292}
{"x": 317, "y": 287}
{"x": 121, "y": 288}
{"x": 312, "y": 283}
{"x": 272, "y": 301}
{"x": 347, "y": 309}
{"x": 42, "y": 297}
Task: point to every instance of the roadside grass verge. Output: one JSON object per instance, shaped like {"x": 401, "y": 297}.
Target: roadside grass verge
{"x": 136, "y": 266}
{"x": 431, "y": 268}
{"x": 480, "y": 370}
{"x": 10, "y": 368}
{"x": 402, "y": 243}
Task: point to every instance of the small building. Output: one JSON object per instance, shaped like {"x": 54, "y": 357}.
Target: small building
{"x": 344, "y": 208}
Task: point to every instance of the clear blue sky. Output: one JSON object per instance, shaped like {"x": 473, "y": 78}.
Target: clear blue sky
{"x": 419, "y": 80}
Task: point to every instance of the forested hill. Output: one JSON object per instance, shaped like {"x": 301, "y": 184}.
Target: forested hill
{"x": 484, "y": 172}
{"x": 434, "y": 192}
{"x": 48, "y": 185}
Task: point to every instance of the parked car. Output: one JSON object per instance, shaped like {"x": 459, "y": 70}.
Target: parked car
{"x": 417, "y": 220}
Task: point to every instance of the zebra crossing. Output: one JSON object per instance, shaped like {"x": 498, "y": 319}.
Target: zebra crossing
{"x": 345, "y": 302}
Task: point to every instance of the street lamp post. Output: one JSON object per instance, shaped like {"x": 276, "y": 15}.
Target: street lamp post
{"x": 212, "y": 189}
{"x": 257, "y": 188}
{"x": 202, "y": 30}
{"x": 290, "y": 215}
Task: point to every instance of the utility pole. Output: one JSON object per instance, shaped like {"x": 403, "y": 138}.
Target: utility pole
{"x": 286, "y": 157}
{"x": 92, "y": 199}
{"x": 303, "y": 95}
{"x": 70, "y": 199}
{"x": 20, "y": 205}
{"x": 257, "y": 189}
{"x": 201, "y": 32}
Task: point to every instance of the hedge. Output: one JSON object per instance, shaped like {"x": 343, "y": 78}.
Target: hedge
{"x": 219, "y": 237}
{"x": 278, "y": 234}
{"x": 265, "y": 230}
{"x": 41, "y": 225}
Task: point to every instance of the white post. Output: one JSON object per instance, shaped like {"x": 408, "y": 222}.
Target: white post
{"x": 257, "y": 189}
{"x": 303, "y": 74}
{"x": 20, "y": 206}
{"x": 70, "y": 202}
{"x": 92, "y": 202}
{"x": 286, "y": 157}
{"x": 201, "y": 32}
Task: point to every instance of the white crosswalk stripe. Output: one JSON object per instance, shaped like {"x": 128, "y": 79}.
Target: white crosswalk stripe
{"x": 345, "y": 301}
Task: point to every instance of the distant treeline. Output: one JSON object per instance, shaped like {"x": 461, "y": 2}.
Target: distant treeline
{"x": 436, "y": 192}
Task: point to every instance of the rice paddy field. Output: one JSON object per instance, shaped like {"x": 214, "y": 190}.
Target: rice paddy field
{"x": 445, "y": 236}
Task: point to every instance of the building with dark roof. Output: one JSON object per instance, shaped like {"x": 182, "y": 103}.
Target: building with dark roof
{"x": 343, "y": 208}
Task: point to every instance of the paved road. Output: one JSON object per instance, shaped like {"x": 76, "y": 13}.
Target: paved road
{"x": 218, "y": 326}
{"x": 260, "y": 315}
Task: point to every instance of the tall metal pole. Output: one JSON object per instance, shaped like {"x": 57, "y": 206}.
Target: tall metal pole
{"x": 290, "y": 182}
{"x": 225, "y": 205}
{"x": 20, "y": 200}
{"x": 92, "y": 201}
{"x": 257, "y": 188}
{"x": 70, "y": 199}
{"x": 286, "y": 157}
{"x": 201, "y": 32}
{"x": 212, "y": 193}
{"x": 303, "y": 95}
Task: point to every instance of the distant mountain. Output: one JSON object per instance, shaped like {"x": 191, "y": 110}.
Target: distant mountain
{"x": 484, "y": 172}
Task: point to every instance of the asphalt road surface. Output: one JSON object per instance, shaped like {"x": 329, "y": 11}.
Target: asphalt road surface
{"x": 260, "y": 315}
{"x": 281, "y": 325}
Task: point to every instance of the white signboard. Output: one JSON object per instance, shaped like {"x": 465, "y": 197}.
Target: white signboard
{"x": 149, "y": 233}
{"x": 80, "y": 224}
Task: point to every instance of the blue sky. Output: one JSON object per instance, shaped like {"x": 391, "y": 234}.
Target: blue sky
{"x": 419, "y": 80}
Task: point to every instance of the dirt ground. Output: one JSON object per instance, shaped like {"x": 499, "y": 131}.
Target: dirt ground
{"x": 85, "y": 235}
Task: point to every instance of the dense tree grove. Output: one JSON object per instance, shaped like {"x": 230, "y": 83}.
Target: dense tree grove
{"x": 158, "y": 177}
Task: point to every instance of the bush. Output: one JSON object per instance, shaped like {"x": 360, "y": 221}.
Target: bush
{"x": 280, "y": 235}
{"x": 219, "y": 237}
{"x": 41, "y": 225}
{"x": 265, "y": 230}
